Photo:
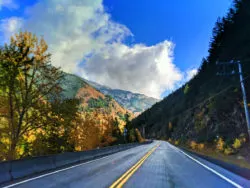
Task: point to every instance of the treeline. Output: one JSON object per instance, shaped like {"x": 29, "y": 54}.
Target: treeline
{"x": 209, "y": 106}
{"x": 34, "y": 117}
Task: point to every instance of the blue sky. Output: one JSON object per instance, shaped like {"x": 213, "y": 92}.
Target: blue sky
{"x": 154, "y": 44}
{"x": 187, "y": 23}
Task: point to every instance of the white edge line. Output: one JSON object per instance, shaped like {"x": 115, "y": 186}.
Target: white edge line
{"x": 54, "y": 172}
{"x": 208, "y": 168}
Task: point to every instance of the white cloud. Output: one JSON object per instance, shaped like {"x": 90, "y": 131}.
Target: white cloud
{"x": 9, "y": 26}
{"x": 144, "y": 69}
{"x": 191, "y": 73}
{"x": 73, "y": 29}
{"x": 10, "y": 4}
{"x": 76, "y": 29}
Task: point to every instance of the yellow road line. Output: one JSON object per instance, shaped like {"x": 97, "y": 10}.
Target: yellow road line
{"x": 124, "y": 178}
{"x": 125, "y": 174}
{"x": 132, "y": 168}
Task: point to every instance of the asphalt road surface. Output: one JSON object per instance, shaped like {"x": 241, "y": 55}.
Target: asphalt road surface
{"x": 152, "y": 165}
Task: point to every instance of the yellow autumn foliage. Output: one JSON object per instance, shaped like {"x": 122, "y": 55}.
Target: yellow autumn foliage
{"x": 200, "y": 146}
{"x": 220, "y": 144}
{"x": 193, "y": 145}
{"x": 5, "y": 140}
{"x": 237, "y": 143}
{"x": 20, "y": 151}
{"x": 228, "y": 151}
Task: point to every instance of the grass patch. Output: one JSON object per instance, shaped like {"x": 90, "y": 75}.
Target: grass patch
{"x": 242, "y": 158}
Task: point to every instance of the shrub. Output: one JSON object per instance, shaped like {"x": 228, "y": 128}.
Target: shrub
{"x": 237, "y": 143}
{"x": 193, "y": 144}
{"x": 220, "y": 144}
{"x": 242, "y": 138}
{"x": 229, "y": 151}
{"x": 176, "y": 142}
{"x": 201, "y": 146}
{"x": 131, "y": 135}
{"x": 163, "y": 138}
{"x": 183, "y": 140}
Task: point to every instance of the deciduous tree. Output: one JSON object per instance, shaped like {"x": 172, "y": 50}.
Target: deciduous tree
{"x": 28, "y": 81}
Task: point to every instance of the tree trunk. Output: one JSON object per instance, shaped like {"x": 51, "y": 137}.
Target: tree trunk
{"x": 11, "y": 154}
{"x": 12, "y": 150}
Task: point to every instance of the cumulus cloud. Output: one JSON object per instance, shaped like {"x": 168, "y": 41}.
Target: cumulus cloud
{"x": 83, "y": 38}
{"x": 144, "y": 69}
{"x": 10, "y": 4}
{"x": 73, "y": 29}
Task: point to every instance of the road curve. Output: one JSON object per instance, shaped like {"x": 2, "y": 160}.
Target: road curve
{"x": 152, "y": 165}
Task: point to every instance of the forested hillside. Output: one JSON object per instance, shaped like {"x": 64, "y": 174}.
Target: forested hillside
{"x": 107, "y": 117}
{"x": 209, "y": 106}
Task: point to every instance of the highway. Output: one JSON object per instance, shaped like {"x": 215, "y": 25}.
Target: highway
{"x": 152, "y": 165}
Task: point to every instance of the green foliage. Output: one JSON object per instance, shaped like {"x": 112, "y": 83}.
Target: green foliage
{"x": 122, "y": 116}
{"x": 186, "y": 89}
{"x": 131, "y": 135}
{"x": 50, "y": 143}
{"x": 127, "y": 119}
{"x": 108, "y": 98}
{"x": 70, "y": 85}
{"x": 98, "y": 103}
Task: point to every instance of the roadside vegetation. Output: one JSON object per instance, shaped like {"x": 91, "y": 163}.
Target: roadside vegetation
{"x": 236, "y": 152}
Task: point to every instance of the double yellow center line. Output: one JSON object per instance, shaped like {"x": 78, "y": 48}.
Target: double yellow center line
{"x": 124, "y": 178}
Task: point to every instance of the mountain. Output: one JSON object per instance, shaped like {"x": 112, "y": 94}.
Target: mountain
{"x": 209, "y": 106}
{"x": 103, "y": 119}
{"x": 134, "y": 102}
{"x": 90, "y": 98}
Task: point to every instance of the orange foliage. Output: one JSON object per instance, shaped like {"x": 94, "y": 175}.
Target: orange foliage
{"x": 87, "y": 92}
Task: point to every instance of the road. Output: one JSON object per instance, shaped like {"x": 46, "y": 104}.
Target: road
{"x": 153, "y": 165}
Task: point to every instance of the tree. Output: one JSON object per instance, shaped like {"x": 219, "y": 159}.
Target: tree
{"x": 28, "y": 82}
{"x": 56, "y": 135}
{"x": 138, "y": 135}
{"x": 86, "y": 134}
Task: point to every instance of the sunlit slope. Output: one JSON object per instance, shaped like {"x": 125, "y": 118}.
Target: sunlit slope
{"x": 92, "y": 100}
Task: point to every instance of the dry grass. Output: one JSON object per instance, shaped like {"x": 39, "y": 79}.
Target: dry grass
{"x": 242, "y": 158}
